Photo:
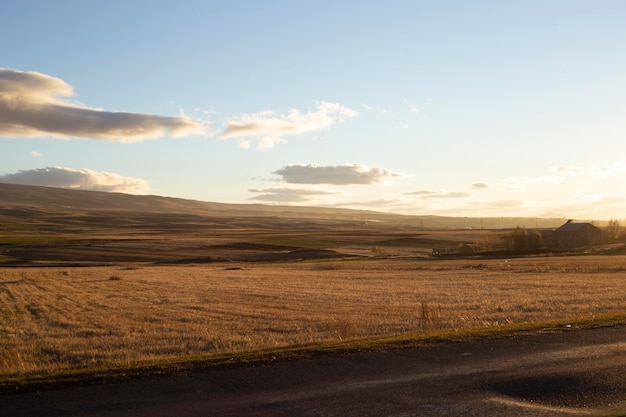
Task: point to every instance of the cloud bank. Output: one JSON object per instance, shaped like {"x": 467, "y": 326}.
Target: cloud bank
{"x": 335, "y": 175}
{"x": 78, "y": 179}
{"x": 269, "y": 128}
{"x": 30, "y": 107}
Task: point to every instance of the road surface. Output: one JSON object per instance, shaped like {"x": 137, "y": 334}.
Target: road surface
{"x": 560, "y": 373}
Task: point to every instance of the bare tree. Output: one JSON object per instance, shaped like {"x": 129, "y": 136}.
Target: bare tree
{"x": 613, "y": 229}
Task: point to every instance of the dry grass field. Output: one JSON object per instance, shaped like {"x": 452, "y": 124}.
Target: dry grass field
{"x": 93, "y": 281}
{"x": 55, "y": 318}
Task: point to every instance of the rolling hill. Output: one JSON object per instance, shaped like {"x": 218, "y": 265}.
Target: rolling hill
{"x": 24, "y": 201}
{"x": 51, "y": 226}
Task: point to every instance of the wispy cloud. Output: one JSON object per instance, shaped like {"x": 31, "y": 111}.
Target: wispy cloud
{"x": 504, "y": 203}
{"x": 515, "y": 183}
{"x": 335, "y": 175}
{"x": 30, "y": 107}
{"x": 451, "y": 194}
{"x": 381, "y": 203}
{"x": 422, "y": 193}
{"x": 520, "y": 183}
{"x": 560, "y": 175}
{"x": 439, "y": 194}
{"x": 269, "y": 128}
{"x": 597, "y": 198}
{"x": 588, "y": 206}
{"x": 480, "y": 186}
{"x": 81, "y": 179}
{"x": 287, "y": 195}
{"x": 374, "y": 109}
{"x": 594, "y": 170}
{"x": 412, "y": 106}
{"x": 35, "y": 154}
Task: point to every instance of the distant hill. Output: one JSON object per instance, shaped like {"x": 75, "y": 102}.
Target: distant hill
{"x": 23, "y": 199}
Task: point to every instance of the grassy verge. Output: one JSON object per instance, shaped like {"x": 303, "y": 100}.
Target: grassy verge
{"x": 184, "y": 364}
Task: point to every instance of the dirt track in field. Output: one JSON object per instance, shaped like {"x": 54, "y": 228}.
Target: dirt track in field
{"x": 564, "y": 373}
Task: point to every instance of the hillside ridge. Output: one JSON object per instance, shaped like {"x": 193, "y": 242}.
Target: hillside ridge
{"x": 64, "y": 200}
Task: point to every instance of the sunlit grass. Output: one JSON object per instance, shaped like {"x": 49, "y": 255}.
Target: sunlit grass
{"x": 54, "y": 319}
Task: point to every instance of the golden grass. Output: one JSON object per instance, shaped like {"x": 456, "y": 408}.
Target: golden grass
{"x": 53, "y": 319}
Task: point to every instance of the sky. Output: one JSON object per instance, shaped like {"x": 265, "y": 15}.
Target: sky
{"x": 454, "y": 108}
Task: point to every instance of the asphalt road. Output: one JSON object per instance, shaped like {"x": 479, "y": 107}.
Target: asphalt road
{"x": 565, "y": 373}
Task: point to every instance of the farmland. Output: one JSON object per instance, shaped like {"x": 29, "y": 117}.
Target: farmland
{"x": 88, "y": 284}
{"x": 77, "y": 317}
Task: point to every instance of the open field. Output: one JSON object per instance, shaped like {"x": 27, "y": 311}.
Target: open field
{"x": 97, "y": 280}
{"x": 82, "y": 317}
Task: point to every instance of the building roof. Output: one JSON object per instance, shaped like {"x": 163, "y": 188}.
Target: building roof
{"x": 575, "y": 227}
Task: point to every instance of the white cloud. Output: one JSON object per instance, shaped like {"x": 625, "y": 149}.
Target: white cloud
{"x": 412, "y": 106}
{"x": 80, "y": 179}
{"x": 381, "y": 203}
{"x": 516, "y": 183}
{"x": 268, "y": 142}
{"x": 451, "y": 194}
{"x": 35, "y": 154}
{"x": 519, "y": 183}
{"x": 287, "y": 195}
{"x": 589, "y": 196}
{"x": 336, "y": 175}
{"x": 269, "y": 128}
{"x": 594, "y": 170}
{"x": 30, "y": 107}
{"x": 600, "y": 199}
{"x": 504, "y": 203}
{"x": 590, "y": 205}
{"x": 375, "y": 109}
{"x": 480, "y": 185}
{"x": 440, "y": 194}
{"x": 244, "y": 144}
{"x": 422, "y": 193}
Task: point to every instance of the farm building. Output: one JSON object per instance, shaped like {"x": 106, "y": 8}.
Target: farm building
{"x": 576, "y": 234}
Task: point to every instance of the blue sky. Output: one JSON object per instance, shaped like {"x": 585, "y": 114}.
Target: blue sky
{"x": 462, "y": 108}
